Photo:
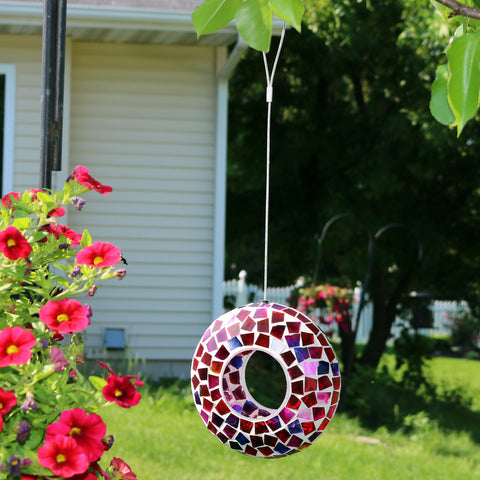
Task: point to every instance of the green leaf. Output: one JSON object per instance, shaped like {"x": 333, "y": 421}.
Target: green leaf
{"x": 212, "y": 15}
{"x": 464, "y": 83}
{"x": 86, "y": 240}
{"x": 439, "y": 106}
{"x": 21, "y": 223}
{"x": 97, "y": 382}
{"x": 254, "y": 23}
{"x": 43, "y": 197}
{"x": 290, "y": 11}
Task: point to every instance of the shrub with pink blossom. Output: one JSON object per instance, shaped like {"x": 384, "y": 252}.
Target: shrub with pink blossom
{"x": 50, "y": 426}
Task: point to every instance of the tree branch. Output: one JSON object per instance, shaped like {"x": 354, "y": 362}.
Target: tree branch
{"x": 461, "y": 9}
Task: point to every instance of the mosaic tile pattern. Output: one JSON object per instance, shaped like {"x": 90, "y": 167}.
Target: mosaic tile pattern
{"x": 222, "y": 398}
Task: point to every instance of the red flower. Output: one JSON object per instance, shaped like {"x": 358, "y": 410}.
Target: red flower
{"x": 99, "y": 254}
{"x": 121, "y": 391}
{"x": 56, "y": 212}
{"x": 60, "y": 230}
{"x": 121, "y": 470}
{"x": 13, "y": 244}
{"x": 63, "y": 456}
{"x": 87, "y": 430}
{"x": 82, "y": 175}
{"x": 15, "y": 346}
{"x": 8, "y": 197}
{"x": 1, "y": 423}
{"x": 7, "y": 401}
{"x": 65, "y": 316}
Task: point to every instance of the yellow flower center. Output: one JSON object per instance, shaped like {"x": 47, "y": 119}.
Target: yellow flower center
{"x": 1, "y": 405}
{"x": 63, "y": 317}
{"x": 97, "y": 260}
{"x": 118, "y": 393}
{"x": 60, "y": 458}
{"x": 11, "y": 349}
{"x": 75, "y": 431}
{"x": 14, "y": 462}
{"x": 11, "y": 242}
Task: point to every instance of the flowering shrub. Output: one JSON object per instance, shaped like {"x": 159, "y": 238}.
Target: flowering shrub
{"x": 327, "y": 304}
{"x": 49, "y": 425}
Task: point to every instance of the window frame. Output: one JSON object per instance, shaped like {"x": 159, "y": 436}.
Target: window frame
{"x": 9, "y": 71}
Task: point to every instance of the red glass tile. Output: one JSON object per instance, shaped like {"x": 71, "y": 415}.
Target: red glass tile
{"x": 277, "y": 331}
{"x": 213, "y": 381}
{"x": 222, "y": 353}
{"x": 216, "y": 367}
{"x": 335, "y": 397}
{"x": 238, "y": 393}
{"x": 248, "y": 338}
{"x": 203, "y": 373}
{"x": 207, "y": 405}
{"x": 283, "y": 435}
{"x": 234, "y": 330}
{"x": 229, "y": 431}
{"x": 263, "y": 341}
{"x": 195, "y": 382}
{"x": 204, "y": 392}
{"x": 222, "y": 336}
{"x": 336, "y": 383}
{"x": 245, "y": 425}
{"x": 250, "y": 451}
{"x": 222, "y": 408}
{"x": 324, "y": 382}
{"x": 260, "y": 427}
{"x": 307, "y": 339}
{"x": 291, "y": 311}
{"x": 257, "y": 440}
{"x": 314, "y": 436}
{"x": 295, "y": 372}
{"x": 223, "y": 438}
{"x": 308, "y": 427}
{"x": 331, "y": 411}
{"x": 310, "y": 384}
{"x": 215, "y": 394}
{"x": 293, "y": 402}
{"x": 294, "y": 442}
{"x": 195, "y": 363}
{"x": 314, "y": 329}
{"x": 293, "y": 327}
{"x": 206, "y": 359}
{"x": 303, "y": 318}
{"x": 323, "y": 340}
{"x": 263, "y": 326}
{"x": 324, "y": 424}
{"x": 199, "y": 351}
{"x": 266, "y": 451}
{"x": 269, "y": 441}
{"x": 289, "y": 357}
{"x": 277, "y": 316}
{"x": 234, "y": 377}
{"x": 248, "y": 324}
{"x": 330, "y": 354}
{"x": 310, "y": 399}
{"x": 318, "y": 413}
{"x": 212, "y": 428}
{"x": 297, "y": 387}
{"x": 274, "y": 424}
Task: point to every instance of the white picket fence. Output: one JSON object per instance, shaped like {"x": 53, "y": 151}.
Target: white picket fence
{"x": 238, "y": 292}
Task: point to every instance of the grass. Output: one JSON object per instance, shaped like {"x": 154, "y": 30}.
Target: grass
{"x": 164, "y": 438}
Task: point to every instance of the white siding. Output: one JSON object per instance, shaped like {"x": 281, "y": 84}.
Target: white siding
{"x": 25, "y": 53}
{"x": 143, "y": 121}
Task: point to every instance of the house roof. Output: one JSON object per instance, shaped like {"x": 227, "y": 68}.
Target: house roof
{"x": 123, "y": 21}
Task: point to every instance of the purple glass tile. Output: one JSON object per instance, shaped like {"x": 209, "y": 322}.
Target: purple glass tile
{"x": 295, "y": 427}
{"x": 232, "y": 420}
{"x": 248, "y": 408}
{"x": 234, "y": 343}
{"x": 335, "y": 370}
{"x": 302, "y": 354}
{"x": 286, "y": 415}
{"x": 229, "y": 431}
{"x": 260, "y": 313}
{"x": 293, "y": 340}
{"x": 221, "y": 336}
{"x": 217, "y": 419}
{"x": 197, "y": 398}
{"x": 274, "y": 423}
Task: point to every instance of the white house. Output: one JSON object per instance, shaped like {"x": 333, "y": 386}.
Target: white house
{"x": 146, "y": 112}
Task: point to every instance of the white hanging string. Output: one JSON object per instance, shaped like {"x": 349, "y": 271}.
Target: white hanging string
{"x": 269, "y": 99}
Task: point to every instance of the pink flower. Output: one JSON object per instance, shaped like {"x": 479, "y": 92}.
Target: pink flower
{"x": 82, "y": 175}
{"x": 7, "y": 401}
{"x": 87, "y": 430}
{"x": 121, "y": 391}
{"x": 13, "y": 244}
{"x": 121, "y": 470}
{"x": 63, "y": 456}
{"x": 15, "y": 346}
{"x": 65, "y": 316}
{"x": 58, "y": 359}
{"x": 60, "y": 230}
{"x": 99, "y": 254}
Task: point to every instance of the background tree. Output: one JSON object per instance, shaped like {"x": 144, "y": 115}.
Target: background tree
{"x": 352, "y": 132}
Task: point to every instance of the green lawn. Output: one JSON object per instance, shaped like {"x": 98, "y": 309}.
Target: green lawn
{"x": 164, "y": 438}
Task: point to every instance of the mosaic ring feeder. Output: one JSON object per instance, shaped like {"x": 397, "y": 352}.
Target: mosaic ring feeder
{"x": 221, "y": 395}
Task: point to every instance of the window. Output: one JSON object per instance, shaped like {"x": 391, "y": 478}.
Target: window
{"x": 7, "y": 126}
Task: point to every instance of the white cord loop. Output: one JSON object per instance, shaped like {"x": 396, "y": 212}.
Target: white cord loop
{"x": 269, "y": 100}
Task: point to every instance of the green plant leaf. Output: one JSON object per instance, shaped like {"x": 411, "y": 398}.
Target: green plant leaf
{"x": 212, "y": 15}
{"x": 44, "y": 197}
{"x": 86, "y": 240}
{"x": 290, "y": 11}
{"x": 97, "y": 382}
{"x": 254, "y": 23}
{"x": 464, "y": 83}
{"x": 439, "y": 106}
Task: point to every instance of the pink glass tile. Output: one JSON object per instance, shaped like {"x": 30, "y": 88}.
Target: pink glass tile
{"x": 211, "y": 345}
{"x": 213, "y": 381}
{"x": 286, "y": 415}
{"x": 206, "y": 335}
{"x": 234, "y": 330}
{"x": 260, "y": 313}
{"x": 242, "y": 314}
{"x": 217, "y": 325}
{"x": 221, "y": 336}
{"x": 309, "y": 368}
{"x": 204, "y": 416}
{"x": 324, "y": 397}
{"x": 248, "y": 324}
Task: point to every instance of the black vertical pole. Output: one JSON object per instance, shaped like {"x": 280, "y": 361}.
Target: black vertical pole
{"x": 53, "y": 70}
